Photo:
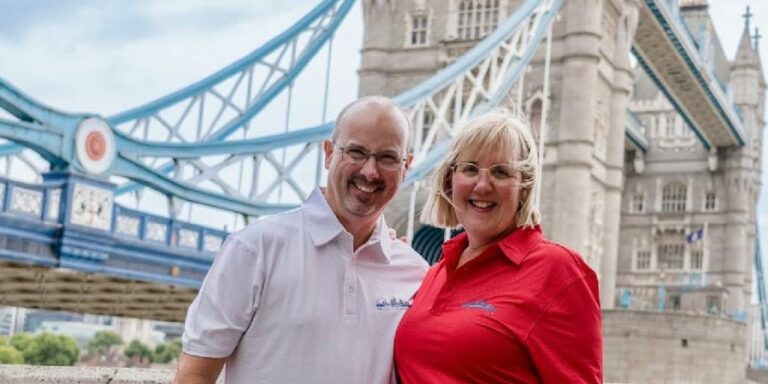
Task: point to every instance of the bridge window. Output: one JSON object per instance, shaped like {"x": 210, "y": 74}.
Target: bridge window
{"x": 638, "y": 203}
{"x": 697, "y": 259}
{"x": 710, "y": 201}
{"x": 671, "y": 255}
{"x": 419, "y": 29}
{"x": 670, "y": 126}
{"x": 477, "y": 18}
{"x": 643, "y": 262}
{"x": 673, "y": 198}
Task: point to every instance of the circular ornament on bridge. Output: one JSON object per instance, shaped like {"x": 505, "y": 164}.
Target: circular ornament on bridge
{"x": 95, "y": 145}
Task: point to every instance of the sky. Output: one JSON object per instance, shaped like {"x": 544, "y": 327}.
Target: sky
{"x": 106, "y": 56}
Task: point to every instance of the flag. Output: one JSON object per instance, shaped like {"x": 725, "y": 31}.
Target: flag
{"x": 695, "y": 236}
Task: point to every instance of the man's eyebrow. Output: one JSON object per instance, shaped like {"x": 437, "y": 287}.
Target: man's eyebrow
{"x": 383, "y": 151}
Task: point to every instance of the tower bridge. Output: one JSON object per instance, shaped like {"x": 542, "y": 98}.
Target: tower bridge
{"x": 648, "y": 134}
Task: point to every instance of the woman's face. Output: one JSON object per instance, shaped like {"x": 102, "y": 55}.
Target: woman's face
{"x": 487, "y": 196}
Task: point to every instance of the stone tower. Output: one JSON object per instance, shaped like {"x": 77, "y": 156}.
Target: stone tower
{"x": 590, "y": 79}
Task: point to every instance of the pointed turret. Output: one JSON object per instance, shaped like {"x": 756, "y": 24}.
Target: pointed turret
{"x": 756, "y": 38}
{"x": 746, "y": 72}
{"x": 746, "y": 53}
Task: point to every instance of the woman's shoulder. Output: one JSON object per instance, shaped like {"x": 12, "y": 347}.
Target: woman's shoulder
{"x": 551, "y": 255}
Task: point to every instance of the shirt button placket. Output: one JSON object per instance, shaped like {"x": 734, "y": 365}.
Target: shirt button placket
{"x": 350, "y": 290}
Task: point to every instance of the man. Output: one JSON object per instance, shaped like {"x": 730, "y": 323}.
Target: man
{"x": 314, "y": 295}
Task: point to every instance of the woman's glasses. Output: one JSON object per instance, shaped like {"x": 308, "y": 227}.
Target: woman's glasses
{"x": 470, "y": 172}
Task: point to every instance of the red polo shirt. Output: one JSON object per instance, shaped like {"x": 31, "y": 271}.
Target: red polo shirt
{"x": 526, "y": 310}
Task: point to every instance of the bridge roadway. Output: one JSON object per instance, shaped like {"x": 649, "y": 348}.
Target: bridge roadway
{"x": 671, "y": 55}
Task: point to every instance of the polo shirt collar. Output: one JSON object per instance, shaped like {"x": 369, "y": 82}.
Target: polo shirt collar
{"x": 321, "y": 222}
{"x": 520, "y": 243}
{"x": 514, "y": 246}
{"x": 324, "y": 226}
{"x": 381, "y": 241}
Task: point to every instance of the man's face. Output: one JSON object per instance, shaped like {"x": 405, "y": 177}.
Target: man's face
{"x": 358, "y": 190}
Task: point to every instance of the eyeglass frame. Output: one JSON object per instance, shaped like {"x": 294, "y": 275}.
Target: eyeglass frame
{"x": 368, "y": 154}
{"x": 454, "y": 165}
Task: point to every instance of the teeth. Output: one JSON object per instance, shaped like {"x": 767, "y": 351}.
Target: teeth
{"x": 365, "y": 189}
{"x": 481, "y": 204}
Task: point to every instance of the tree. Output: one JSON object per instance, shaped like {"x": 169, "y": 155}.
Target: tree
{"x": 21, "y": 341}
{"x": 167, "y": 352}
{"x": 136, "y": 349}
{"x": 9, "y": 355}
{"x": 49, "y": 349}
{"x": 103, "y": 342}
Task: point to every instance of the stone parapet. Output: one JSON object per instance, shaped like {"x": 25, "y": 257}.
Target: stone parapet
{"x": 27, "y": 374}
{"x": 671, "y": 347}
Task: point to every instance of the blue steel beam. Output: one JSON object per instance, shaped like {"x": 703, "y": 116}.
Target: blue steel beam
{"x": 27, "y": 109}
{"x": 134, "y": 170}
{"x": 10, "y": 149}
{"x": 47, "y": 143}
{"x": 446, "y": 76}
{"x": 137, "y": 148}
{"x": 257, "y": 105}
{"x": 259, "y": 54}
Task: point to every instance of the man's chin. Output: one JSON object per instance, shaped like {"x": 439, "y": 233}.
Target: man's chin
{"x": 361, "y": 210}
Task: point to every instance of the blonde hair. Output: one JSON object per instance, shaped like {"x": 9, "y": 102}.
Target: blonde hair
{"x": 501, "y": 129}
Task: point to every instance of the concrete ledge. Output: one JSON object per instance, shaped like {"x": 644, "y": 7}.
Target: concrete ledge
{"x": 28, "y": 374}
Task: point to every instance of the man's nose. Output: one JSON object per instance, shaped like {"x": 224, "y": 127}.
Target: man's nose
{"x": 370, "y": 169}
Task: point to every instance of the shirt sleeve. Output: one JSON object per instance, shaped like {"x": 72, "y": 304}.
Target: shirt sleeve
{"x": 566, "y": 343}
{"x": 226, "y": 303}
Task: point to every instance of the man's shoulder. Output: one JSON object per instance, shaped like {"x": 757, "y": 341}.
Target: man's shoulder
{"x": 402, "y": 253}
{"x": 279, "y": 226}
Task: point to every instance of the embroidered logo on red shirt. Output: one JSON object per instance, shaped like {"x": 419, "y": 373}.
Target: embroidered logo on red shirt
{"x": 480, "y": 304}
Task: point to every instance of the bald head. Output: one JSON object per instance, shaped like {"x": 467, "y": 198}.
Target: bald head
{"x": 372, "y": 105}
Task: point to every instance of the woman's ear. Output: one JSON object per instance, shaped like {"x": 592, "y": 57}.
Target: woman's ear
{"x": 447, "y": 183}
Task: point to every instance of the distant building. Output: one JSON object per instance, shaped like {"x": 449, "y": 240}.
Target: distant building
{"x": 81, "y": 332}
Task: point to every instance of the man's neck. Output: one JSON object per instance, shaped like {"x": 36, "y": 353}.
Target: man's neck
{"x": 362, "y": 234}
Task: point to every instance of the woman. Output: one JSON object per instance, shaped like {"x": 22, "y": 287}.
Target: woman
{"x": 504, "y": 305}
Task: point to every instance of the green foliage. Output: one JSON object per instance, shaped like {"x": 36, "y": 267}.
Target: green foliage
{"x": 3, "y": 340}
{"x": 9, "y": 355}
{"x": 49, "y": 349}
{"x": 21, "y": 341}
{"x": 136, "y": 349}
{"x": 167, "y": 352}
{"x": 103, "y": 341}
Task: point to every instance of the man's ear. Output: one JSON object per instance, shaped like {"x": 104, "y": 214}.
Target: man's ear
{"x": 328, "y": 149}
{"x": 408, "y": 160}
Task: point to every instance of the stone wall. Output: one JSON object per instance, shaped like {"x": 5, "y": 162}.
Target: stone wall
{"x": 670, "y": 347}
{"x": 26, "y": 374}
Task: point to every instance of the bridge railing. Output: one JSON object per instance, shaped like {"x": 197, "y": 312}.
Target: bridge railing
{"x": 133, "y": 224}
{"x": 43, "y": 203}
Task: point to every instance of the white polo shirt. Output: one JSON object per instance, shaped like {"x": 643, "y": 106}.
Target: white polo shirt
{"x": 290, "y": 302}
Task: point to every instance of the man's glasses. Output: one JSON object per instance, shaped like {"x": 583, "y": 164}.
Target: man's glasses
{"x": 386, "y": 160}
{"x": 470, "y": 172}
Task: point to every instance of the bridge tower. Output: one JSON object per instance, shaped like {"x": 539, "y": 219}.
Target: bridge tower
{"x": 590, "y": 84}
{"x": 743, "y": 167}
